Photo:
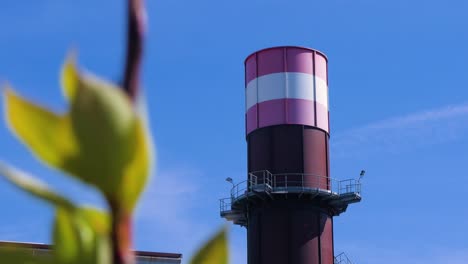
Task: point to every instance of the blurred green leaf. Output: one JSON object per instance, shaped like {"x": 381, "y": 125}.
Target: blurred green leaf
{"x": 105, "y": 127}
{"x": 97, "y": 219}
{"x": 100, "y": 223}
{"x": 22, "y": 256}
{"x": 48, "y": 135}
{"x": 69, "y": 78}
{"x": 101, "y": 140}
{"x": 33, "y": 186}
{"x": 114, "y": 146}
{"x": 215, "y": 251}
{"x": 136, "y": 173}
{"x": 66, "y": 238}
{"x": 81, "y": 236}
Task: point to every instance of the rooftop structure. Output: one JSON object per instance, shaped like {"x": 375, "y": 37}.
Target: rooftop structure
{"x": 142, "y": 257}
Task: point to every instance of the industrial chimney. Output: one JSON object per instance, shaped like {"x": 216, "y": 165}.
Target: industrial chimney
{"x": 288, "y": 200}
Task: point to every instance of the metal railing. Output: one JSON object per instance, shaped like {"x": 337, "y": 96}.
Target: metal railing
{"x": 244, "y": 186}
{"x": 342, "y": 259}
{"x": 349, "y": 186}
{"x": 267, "y": 181}
{"x": 225, "y": 204}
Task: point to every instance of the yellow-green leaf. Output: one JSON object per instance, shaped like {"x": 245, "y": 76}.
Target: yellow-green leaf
{"x": 81, "y": 236}
{"x": 101, "y": 140}
{"x": 215, "y": 251}
{"x": 66, "y": 238}
{"x": 105, "y": 126}
{"x": 137, "y": 171}
{"x": 47, "y": 134}
{"x": 69, "y": 77}
{"x": 33, "y": 186}
{"x": 97, "y": 219}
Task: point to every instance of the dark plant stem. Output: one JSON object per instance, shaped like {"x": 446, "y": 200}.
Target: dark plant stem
{"x": 121, "y": 227}
{"x": 135, "y": 34}
{"x": 121, "y": 236}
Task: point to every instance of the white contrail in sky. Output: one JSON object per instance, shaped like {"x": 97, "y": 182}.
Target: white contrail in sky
{"x": 405, "y": 132}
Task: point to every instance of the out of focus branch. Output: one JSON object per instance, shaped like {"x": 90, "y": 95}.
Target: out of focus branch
{"x": 121, "y": 230}
{"x": 135, "y": 35}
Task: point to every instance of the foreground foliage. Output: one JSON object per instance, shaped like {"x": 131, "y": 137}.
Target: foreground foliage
{"x": 102, "y": 141}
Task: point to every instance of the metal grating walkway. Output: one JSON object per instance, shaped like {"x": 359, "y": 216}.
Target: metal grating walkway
{"x": 331, "y": 193}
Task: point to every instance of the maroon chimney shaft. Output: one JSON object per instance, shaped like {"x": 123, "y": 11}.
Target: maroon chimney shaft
{"x": 289, "y": 199}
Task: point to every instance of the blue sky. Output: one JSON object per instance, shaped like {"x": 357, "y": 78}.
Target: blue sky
{"x": 399, "y": 109}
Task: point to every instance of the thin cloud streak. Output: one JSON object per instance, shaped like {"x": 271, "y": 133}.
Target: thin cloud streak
{"x": 396, "y": 135}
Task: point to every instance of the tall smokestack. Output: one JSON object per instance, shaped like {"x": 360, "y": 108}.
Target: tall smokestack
{"x": 289, "y": 199}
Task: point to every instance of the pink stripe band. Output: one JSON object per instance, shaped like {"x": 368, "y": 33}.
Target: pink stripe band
{"x": 287, "y": 111}
{"x": 285, "y": 59}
